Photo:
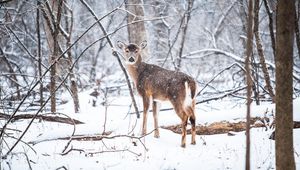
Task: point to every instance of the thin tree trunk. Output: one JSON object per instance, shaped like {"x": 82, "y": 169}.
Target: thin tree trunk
{"x": 284, "y": 85}
{"x": 52, "y": 30}
{"x": 297, "y": 33}
{"x": 187, "y": 17}
{"x": 260, "y": 51}
{"x": 54, "y": 56}
{"x": 74, "y": 88}
{"x": 39, "y": 50}
{"x": 271, "y": 23}
{"x": 248, "y": 78}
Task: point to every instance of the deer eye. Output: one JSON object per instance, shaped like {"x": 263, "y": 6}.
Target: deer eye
{"x": 127, "y": 51}
{"x": 136, "y": 51}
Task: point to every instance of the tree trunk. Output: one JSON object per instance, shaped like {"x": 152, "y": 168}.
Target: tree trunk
{"x": 52, "y": 31}
{"x": 284, "y": 85}
{"x": 39, "y": 50}
{"x": 260, "y": 51}
{"x": 248, "y": 78}
{"x": 297, "y": 33}
{"x": 187, "y": 16}
{"x": 55, "y": 55}
{"x": 271, "y": 27}
{"x": 73, "y": 80}
{"x": 136, "y": 31}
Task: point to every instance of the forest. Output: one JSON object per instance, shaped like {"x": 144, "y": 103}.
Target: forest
{"x": 70, "y": 100}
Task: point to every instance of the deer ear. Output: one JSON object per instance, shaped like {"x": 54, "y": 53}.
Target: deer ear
{"x": 120, "y": 44}
{"x": 143, "y": 44}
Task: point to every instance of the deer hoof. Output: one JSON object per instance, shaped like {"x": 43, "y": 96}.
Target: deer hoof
{"x": 193, "y": 143}
{"x": 156, "y": 134}
{"x": 183, "y": 145}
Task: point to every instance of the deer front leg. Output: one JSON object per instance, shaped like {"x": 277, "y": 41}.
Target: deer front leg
{"x": 184, "y": 124}
{"x": 145, "y": 111}
{"x": 155, "y": 110}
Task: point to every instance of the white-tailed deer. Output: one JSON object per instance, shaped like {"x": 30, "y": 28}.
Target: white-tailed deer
{"x": 155, "y": 84}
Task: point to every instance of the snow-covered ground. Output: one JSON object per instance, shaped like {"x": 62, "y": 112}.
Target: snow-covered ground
{"x": 122, "y": 152}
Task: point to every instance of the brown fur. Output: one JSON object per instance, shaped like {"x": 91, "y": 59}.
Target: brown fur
{"x": 156, "y": 83}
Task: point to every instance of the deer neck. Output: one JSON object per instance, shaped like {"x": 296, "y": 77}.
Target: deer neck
{"x": 133, "y": 70}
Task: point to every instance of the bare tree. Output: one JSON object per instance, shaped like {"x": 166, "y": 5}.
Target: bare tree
{"x": 260, "y": 51}
{"x": 186, "y": 19}
{"x": 39, "y": 50}
{"x": 73, "y": 80}
{"x": 271, "y": 24}
{"x": 52, "y": 24}
{"x": 284, "y": 85}
{"x": 249, "y": 80}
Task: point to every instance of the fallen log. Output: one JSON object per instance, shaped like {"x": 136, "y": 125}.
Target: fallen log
{"x": 223, "y": 127}
{"x": 42, "y": 117}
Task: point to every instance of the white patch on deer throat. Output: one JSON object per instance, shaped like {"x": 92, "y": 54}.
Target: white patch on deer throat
{"x": 188, "y": 98}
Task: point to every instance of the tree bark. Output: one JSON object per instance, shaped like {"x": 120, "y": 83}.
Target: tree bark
{"x": 284, "y": 85}
{"x": 260, "y": 51}
{"x": 248, "y": 78}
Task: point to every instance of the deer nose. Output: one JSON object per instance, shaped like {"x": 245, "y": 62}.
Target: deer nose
{"x": 131, "y": 59}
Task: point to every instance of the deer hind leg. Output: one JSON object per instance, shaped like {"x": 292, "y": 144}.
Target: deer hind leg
{"x": 145, "y": 111}
{"x": 191, "y": 113}
{"x": 183, "y": 116}
{"x": 193, "y": 122}
{"x": 155, "y": 110}
{"x": 184, "y": 124}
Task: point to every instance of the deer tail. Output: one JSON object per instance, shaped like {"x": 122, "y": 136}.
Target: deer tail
{"x": 190, "y": 92}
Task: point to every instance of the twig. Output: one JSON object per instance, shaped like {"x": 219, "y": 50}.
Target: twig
{"x": 27, "y": 144}
{"x": 28, "y": 161}
{"x": 62, "y": 167}
{"x": 227, "y": 68}
{"x": 99, "y": 152}
{"x": 74, "y": 129}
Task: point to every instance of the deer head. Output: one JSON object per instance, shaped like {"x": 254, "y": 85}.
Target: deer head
{"x": 132, "y": 52}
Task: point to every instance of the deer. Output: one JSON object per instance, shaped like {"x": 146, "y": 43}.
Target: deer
{"x": 155, "y": 84}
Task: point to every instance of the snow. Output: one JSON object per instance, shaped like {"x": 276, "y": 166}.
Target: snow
{"x": 149, "y": 153}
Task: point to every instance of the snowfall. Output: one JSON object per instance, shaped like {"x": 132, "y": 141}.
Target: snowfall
{"x": 122, "y": 151}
